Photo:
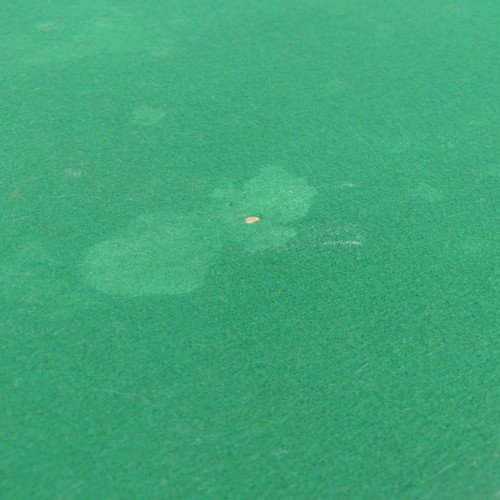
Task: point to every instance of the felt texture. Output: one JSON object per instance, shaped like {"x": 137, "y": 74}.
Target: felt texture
{"x": 357, "y": 358}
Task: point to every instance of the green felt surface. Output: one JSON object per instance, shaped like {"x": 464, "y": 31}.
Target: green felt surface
{"x": 347, "y": 348}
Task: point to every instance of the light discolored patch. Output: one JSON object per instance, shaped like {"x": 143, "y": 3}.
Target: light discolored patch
{"x": 168, "y": 253}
